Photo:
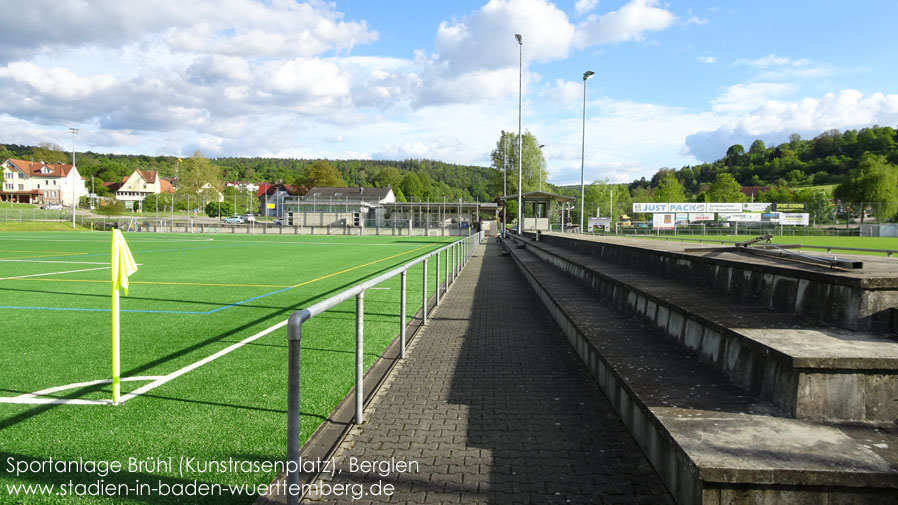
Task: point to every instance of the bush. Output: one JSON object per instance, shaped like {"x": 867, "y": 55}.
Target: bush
{"x": 212, "y": 209}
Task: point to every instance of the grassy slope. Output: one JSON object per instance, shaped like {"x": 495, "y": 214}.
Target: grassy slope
{"x": 234, "y": 407}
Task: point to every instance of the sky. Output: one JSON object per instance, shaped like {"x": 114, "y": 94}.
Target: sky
{"x": 676, "y": 83}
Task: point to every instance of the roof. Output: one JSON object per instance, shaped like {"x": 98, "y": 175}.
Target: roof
{"x": 148, "y": 175}
{"x": 753, "y": 190}
{"x": 266, "y": 188}
{"x": 531, "y": 196}
{"x": 32, "y": 169}
{"x": 354, "y": 193}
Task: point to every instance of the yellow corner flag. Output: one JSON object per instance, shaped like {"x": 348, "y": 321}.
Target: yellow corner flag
{"x": 122, "y": 267}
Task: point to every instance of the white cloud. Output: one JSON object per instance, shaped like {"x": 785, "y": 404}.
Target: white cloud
{"x": 484, "y": 40}
{"x": 707, "y": 59}
{"x": 745, "y": 97}
{"x": 771, "y": 60}
{"x": 581, "y": 7}
{"x": 773, "y": 121}
{"x": 629, "y": 23}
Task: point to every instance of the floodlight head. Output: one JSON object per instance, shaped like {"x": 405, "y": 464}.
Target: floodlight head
{"x": 588, "y": 74}
{"x": 520, "y": 39}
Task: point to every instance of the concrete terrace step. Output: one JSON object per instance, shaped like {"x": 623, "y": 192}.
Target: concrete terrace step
{"x": 808, "y": 370}
{"x": 711, "y": 441}
{"x": 864, "y": 299}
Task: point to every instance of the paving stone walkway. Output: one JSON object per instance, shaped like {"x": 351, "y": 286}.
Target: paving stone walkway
{"x": 491, "y": 406}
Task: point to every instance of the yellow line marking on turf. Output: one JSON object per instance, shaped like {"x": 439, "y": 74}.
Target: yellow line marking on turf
{"x": 360, "y": 266}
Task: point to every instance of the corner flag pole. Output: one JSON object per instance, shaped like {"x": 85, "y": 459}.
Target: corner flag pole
{"x": 122, "y": 266}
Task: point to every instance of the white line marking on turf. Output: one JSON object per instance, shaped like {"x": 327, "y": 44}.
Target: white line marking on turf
{"x": 177, "y": 373}
{"x": 54, "y": 273}
{"x": 32, "y": 398}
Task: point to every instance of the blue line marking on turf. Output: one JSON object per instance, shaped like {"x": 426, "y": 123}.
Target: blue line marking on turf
{"x": 247, "y": 300}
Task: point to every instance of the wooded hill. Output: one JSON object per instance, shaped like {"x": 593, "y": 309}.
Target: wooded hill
{"x": 415, "y": 179}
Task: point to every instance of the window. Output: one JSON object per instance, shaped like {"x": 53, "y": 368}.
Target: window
{"x": 54, "y": 182}
{"x": 38, "y": 186}
{"x": 21, "y": 187}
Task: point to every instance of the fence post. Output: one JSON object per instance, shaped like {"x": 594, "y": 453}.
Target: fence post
{"x": 402, "y": 315}
{"x": 446, "y": 273}
{"x": 359, "y": 356}
{"x": 424, "y": 295}
{"x": 436, "y": 278}
{"x": 294, "y": 336}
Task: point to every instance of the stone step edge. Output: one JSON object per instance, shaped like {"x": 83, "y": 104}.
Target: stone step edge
{"x": 809, "y": 388}
{"x": 678, "y": 469}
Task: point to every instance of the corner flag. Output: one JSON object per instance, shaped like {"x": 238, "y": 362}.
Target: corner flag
{"x": 122, "y": 267}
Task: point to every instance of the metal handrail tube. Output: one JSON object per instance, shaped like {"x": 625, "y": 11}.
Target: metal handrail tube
{"x": 294, "y": 336}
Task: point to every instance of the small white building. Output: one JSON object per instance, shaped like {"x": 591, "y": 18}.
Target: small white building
{"x": 39, "y": 182}
{"x": 140, "y": 184}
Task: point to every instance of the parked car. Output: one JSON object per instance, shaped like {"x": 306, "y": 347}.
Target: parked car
{"x": 249, "y": 217}
{"x": 234, "y": 220}
{"x": 52, "y": 206}
{"x": 278, "y": 222}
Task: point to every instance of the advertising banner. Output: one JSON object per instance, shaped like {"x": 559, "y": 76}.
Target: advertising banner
{"x": 701, "y": 216}
{"x": 724, "y": 207}
{"x": 742, "y": 218}
{"x": 663, "y": 221}
{"x": 756, "y": 207}
{"x": 640, "y": 208}
{"x": 687, "y": 207}
{"x": 682, "y": 218}
{"x": 794, "y": 219}
{"x": 790, "y": 207}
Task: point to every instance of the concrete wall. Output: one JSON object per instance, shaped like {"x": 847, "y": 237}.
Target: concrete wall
{"x": 850, "y": 302}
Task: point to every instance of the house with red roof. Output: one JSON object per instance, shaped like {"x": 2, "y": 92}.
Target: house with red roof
{"x": 135, "y": 188}
{"x": 39, "y": 182}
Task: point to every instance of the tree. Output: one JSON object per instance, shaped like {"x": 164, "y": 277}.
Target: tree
{"x": 411, "y": 186}
{"x": 197, "y": 171}
{"x": 49, "y": 152}
{"x": 875, "y": 180}
{"x": 734, "y": 155}
{"x": 533, "y": 166}
{"x": 322, "y": 174}
{"x": 670, "y": 189}
{"x": 388, "y": 177}
{"x": 212, "y": 209}
{"x": 725, "y": 189}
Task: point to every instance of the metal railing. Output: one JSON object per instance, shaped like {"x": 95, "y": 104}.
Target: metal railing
{"x": 455, "y": 256}
{"x": 829, "y": 249}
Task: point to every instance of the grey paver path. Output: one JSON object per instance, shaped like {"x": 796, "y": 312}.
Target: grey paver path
{"x": 493, "y": 407}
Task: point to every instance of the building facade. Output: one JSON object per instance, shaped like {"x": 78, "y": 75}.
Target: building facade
{"x": 39, "y": 182}
{"x": 135, "y": 188}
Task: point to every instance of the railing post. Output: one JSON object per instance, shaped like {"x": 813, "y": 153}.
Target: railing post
{"x": 359, "y": 356}
{"x": 436, "y": 278}
{"x": 424, "y": 295}
{"x": 294, "y": 336}
{"x": 402, "y": 315}
{"x": 446, "y": 274}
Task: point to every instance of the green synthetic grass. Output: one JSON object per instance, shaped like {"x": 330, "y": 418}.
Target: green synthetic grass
{"x": 39, "y": 226}
{"x": 853, "y": 242}
{"x": 233, "y": 407}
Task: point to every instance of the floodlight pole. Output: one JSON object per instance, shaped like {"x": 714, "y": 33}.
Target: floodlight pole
{"x": 586, "y": 75}
{"x": 539, "y": 169}
{"x": 520, "y": 138}
{"x": 74, "y": 131}
{"x": 504, "y": 180}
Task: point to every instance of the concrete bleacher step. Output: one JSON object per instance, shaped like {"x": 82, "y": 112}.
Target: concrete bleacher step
{"x": 711, "y": 441}
{"x": 808, "y": 370}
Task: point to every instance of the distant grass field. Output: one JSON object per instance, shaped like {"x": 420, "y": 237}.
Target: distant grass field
{"x": 191, "y": 297}
{"x": 854, "y": 242}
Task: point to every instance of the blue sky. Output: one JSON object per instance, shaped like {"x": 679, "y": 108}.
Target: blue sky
{"x": 676, "y": 82}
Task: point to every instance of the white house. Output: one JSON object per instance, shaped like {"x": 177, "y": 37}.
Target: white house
{"x": 39, "y": 182}
{"x": 140, "y": 184}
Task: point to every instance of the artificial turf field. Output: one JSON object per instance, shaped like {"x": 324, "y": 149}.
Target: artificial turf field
{"x": 192, "y": 296}
{"x": 854, "y": 242}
